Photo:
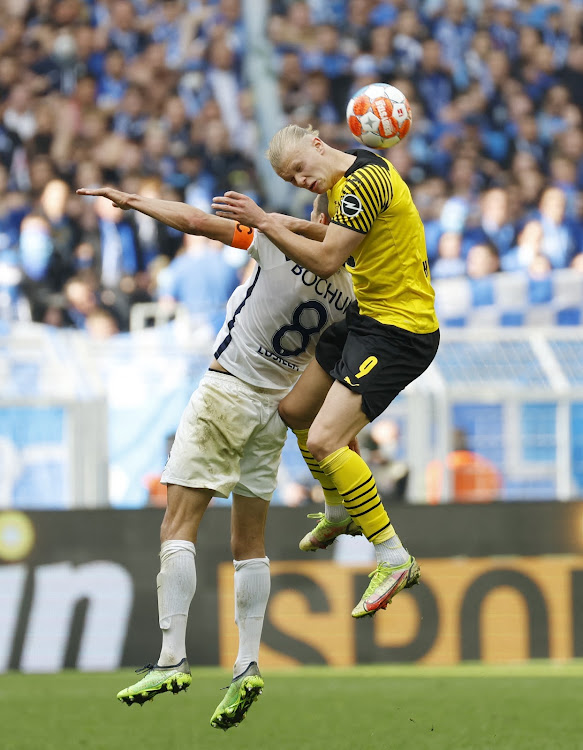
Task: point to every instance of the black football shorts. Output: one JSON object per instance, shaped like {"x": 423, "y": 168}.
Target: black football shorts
{"x": 374, "y": 359}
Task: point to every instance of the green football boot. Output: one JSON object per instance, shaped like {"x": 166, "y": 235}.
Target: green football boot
{"x": 171, "y": 679}
{"x": 326, "y": 532}
{"x": 241, "y": 693}
{"x": 387, "y": 580}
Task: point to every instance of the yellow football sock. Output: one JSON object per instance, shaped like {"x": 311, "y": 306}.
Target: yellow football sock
{"x": 355, "y": 482}
{"x": 331, "y": 494}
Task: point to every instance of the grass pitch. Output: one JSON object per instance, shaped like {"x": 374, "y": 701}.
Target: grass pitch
{"x": 471, "y": 707}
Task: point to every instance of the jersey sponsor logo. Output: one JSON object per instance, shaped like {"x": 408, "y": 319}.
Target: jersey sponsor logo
{"x": 276, "y": 358}
{"x": 347, "y": 380}
{"x": 350, "y": 205}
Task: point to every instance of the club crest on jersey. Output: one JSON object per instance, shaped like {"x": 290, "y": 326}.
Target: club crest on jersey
{"x": 350, "y": 205}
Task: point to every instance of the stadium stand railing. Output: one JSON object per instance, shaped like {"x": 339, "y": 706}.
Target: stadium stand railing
{"x": 512, "y": 397}
{"x": 498, "y": 415}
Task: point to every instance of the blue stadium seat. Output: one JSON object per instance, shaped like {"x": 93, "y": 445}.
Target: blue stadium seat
{"x": 511, "y": 299}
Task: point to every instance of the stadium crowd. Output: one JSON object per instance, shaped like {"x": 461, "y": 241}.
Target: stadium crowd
{"x": 151, "y": 95}
{"x": 143, "y": 95}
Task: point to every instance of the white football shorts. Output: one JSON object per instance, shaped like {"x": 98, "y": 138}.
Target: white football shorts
{"x": 229, "y": 439}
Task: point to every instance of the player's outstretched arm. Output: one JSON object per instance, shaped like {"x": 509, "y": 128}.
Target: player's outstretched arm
{"x": 310, "y": 229}
{"x": 322, "y": 258}
{"x": 178, "y": 215}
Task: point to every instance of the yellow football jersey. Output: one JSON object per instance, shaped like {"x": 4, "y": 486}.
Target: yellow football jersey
{"x": 390, "y": 271}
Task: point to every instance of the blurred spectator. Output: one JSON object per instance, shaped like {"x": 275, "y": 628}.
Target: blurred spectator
{"x": 379, "y": 59}
{"x": 130, "y": 119}
{"x": 13, "y": 206}
{"x": 482, "y": 260}
{"x": 36, "y": 246}
{"x": 563, "y": 175}
{"x": 119, "y": 244}
{"x": 201, "y": 278}
{"x": 454, "y": 31}
{"x": 494, "y": 222}
{"x": 433, "y": 84}
{"x": 19, "y": 116}
{"x": 124, "y": 33}
{"x": 449, "y": 260}
{"x": 80, "y": 299}
{"x": 503, "y": 30}
{"x": 177, "y": 127}
{"x": 530, "y": 245}
{"x": 317, "y": 101}
{"x": 407, "y": 43}
{"x": 54, "y": 202}
{"x": 380, "y": 447}
{"x": 558, "y": 242}
{"x": 527, "y": 139}
{"x": 112, "y": 84}
{"x": 167, "y": 30}
{"x": 572, "y": 75}
{"x": 101, "y": 324}
{"x": 471, "y": 478}
{"x": 155, "y": 238}
{"x": 557, "y": 114}
{"x": 291, "y": 78}
{"x": 429, "y": 198}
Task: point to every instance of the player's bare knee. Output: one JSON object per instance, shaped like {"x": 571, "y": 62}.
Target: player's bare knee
{"x": 289, "y": 414}
{"x": 318, "y": 446}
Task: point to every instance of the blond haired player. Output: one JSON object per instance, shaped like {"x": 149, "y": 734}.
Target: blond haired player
{"x": 389, "y": 337}
{"x": 230, "y": 439}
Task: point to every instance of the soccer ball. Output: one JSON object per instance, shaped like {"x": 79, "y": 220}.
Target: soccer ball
{"x": 379, "y": 115}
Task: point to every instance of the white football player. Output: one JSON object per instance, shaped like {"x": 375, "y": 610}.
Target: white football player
{"x": 230, "y": 437}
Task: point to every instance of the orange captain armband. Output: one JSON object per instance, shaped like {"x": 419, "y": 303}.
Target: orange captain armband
{"x": 242, "y": 237}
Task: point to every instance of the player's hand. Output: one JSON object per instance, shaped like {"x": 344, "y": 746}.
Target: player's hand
{"x": 117, "y": 197}
{"x": 239, "y": 207}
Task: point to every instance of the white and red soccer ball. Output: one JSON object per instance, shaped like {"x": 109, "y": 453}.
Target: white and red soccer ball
{"x": 379, "y": 115}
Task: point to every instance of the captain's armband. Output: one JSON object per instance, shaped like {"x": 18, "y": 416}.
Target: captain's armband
{"x": 242, "y": 237}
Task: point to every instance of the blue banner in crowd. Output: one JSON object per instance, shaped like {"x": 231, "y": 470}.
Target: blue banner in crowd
{"x": 34, "y": 457}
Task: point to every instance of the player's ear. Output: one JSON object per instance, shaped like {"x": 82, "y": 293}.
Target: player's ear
{"x": 323, "y": 219}
{"x": 318, "y": 143}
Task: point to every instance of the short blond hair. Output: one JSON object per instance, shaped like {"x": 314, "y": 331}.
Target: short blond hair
{"x": 284, "y": 140}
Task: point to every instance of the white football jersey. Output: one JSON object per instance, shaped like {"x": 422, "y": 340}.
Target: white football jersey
{"x": 275, "y": 318}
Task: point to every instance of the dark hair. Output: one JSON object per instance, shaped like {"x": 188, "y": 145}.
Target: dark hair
{"x": 321, "y": 205}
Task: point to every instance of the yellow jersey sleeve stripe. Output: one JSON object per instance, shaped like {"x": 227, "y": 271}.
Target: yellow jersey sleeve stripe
{"x": 372, "y": 187}
{"x": 379, "y": 180}
{"x": 373, "y": 199}
{"x": 348, "y": 225}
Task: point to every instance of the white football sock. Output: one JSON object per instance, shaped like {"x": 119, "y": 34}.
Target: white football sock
{"x": 176, "y": 584}
{"x": 391, "y": 551}
{"x": 252, "y": 587}
{"x": 335, "y": 513}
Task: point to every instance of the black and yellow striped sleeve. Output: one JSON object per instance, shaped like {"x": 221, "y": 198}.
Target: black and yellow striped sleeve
{"x": 366, "y": 193}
